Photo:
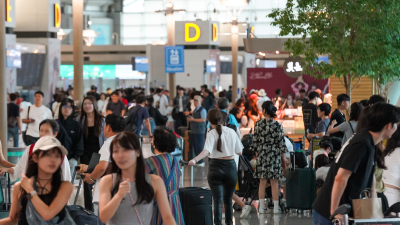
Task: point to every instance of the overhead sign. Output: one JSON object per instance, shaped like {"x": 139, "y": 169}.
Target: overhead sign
{"x": 194, "y": 37}
{"x": 9, "y": 7}
{"x": 214, "y": 32}
{"x": 197, "y": 33}
{"x": 57, "y": 15}
{"x": 8, "y": 11}
{"x": 210, "y": 66}
{"x": 140, "y": 64}
{"x": 293, "y": 67}
{"x": 13, "y": 58}
{"x": 174, "y": 59}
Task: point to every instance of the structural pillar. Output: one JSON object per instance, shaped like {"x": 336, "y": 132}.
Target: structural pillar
{"x": 235, "y": 34}
{"x": 77, "y": 16}
{"x": 171, "y": 42}
{"x": 3, "y": 81}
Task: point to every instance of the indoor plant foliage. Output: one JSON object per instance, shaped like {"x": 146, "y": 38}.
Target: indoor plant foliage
{"x": 361, "y": 37}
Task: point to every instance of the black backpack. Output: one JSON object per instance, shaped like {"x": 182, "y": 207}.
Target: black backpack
{"x": 247, "y": 141}
{"x": 131, "y": 121}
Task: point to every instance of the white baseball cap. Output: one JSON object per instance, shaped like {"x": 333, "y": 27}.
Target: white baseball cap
{"x": 48, "y": 142}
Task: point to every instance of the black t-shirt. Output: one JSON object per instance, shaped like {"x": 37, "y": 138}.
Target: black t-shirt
{"x": 310, "y": 118}
{"x": 357, "y": 156}
{"x": 92, "y": 145}
{"x": 340, "y": 118}
{"x": 116, "y": 108}
{"x": 12, "y": 110}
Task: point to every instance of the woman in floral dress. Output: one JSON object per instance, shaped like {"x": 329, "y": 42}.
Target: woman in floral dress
{"x": 269, "y": 145}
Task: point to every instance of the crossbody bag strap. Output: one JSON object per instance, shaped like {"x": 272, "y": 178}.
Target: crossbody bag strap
{"x": 351, "y": 127}
{"x": 29, "y": 109}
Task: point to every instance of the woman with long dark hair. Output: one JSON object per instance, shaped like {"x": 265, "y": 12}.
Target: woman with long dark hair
{"x": 41, "y": 195}
{"x": 127, "y": 195}
{"x": 222, "y": 144}
{"x": 391, "y": 176}
{"x": 269, "y": 144}
{"x": 92, "y": 123}
{"x": 165, "y": 165}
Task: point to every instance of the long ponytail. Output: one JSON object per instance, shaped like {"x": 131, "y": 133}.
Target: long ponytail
{"x": 215, "y": 117}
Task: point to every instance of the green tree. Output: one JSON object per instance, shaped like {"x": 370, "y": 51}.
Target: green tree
{"x": 361, "y": 37}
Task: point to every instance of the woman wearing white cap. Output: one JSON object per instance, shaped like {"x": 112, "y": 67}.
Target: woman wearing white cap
{"x": 46, "y": 128}
{"x": 41, "y": 195}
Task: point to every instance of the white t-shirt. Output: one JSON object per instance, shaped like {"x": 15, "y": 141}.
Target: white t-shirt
{"x": 231, "y": 144}
{"x": 104, "y": 156}
{"x": 23, "y": 161}
{"x": 163, "y": 105}
{"x": 38, "y": 114}
{"x": 392, "y": 174}
{"x": 156, "y": 99}
{"x": 322, "y": 172}
{"x": 24, "y": 105}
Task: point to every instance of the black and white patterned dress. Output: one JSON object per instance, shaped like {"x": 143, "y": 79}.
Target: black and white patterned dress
{"x": 269, "y": 143}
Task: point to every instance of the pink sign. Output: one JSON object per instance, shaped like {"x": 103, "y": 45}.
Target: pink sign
{"x": 271, "y": 79}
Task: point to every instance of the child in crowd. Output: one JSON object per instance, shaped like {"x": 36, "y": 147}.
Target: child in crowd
{"x": 170, "y": 122}
{"x": 41, "y": 195}
{"x": 253, "y": 162}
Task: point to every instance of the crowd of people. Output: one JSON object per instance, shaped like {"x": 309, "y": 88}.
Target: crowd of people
{"x": 111, "y": 125}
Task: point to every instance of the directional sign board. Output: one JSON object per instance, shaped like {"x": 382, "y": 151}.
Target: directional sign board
{"x": 174, "y": 59}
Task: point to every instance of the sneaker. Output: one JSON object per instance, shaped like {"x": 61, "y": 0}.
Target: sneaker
{"x": 200, "y": 164}
{"x": 245, "y": 211}
{"x": 277, "y": 211}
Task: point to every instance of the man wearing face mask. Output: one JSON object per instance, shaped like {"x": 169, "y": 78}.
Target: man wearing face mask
{"x": 73, "y": 129}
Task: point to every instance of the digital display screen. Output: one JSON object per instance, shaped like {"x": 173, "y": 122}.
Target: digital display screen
{"x": 31, "y": 71}
{"x": 121, "y": 71}
{"x": 141, "y": 64}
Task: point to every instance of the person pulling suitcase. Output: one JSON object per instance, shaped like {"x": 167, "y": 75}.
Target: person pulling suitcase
{"x": 221, "y": 145}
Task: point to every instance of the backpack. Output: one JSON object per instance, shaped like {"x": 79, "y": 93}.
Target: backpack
{"x": 31, "y": 151}
{"x": 247, "y": 141}
{"x": 131, "y": 121}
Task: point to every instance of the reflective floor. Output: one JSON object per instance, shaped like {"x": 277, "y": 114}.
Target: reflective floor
{"x": 200, "y": 180}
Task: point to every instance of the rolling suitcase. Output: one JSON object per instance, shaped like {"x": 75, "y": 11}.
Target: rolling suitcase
{"x": 196, "y": 205}
{"x": 79, "y": 214}
{"x": 300, "y": 187}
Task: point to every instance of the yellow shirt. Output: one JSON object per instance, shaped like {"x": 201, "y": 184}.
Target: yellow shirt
{"x": 380, "y": 186}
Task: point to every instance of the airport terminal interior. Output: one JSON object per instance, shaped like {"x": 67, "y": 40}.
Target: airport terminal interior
{"x": 199, "y": 112}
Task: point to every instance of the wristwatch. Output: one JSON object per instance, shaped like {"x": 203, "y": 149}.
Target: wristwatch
{"x": 31, "y": 194}
{"x": 91, "y": 179}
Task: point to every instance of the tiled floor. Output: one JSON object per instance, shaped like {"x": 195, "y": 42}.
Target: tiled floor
{"x": 200, "y": 180}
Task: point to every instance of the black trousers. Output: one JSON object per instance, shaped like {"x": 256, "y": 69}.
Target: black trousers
{"x": 222, "y": 177}
{"x": 87, "y": 195}
{"x": 179, "y": 122}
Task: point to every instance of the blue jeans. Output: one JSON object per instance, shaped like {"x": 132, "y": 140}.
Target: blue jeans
{"x": 14, "y": 132}
{"x": 198, "y": 144}
{"x": 320, "y": 220}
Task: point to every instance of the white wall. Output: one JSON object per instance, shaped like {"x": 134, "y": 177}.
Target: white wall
{"x": 394, "y": 93}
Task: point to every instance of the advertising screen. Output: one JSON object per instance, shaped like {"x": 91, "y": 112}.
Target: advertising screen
{"x": 123, "y": 71}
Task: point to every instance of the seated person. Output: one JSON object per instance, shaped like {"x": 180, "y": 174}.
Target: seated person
{"x": 325, "y": 147}
{"x": 322, "y": 166}
{"x": 46, "y": 128}
{"x": 41, "y": 195}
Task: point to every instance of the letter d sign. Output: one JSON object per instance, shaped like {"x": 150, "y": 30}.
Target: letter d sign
{"x": 57, "y": 15}
{"x": 187, "y": 32}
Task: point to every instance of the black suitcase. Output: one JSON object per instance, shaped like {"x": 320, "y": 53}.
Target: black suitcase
{"x": 196, "y": 205}
{"x": 79, "y": 214}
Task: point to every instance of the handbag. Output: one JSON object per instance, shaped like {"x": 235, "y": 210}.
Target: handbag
{"x": 12, "y": 121}
{"x": 367, "y": 207}
{"x": 24, "y": 137}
